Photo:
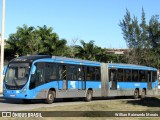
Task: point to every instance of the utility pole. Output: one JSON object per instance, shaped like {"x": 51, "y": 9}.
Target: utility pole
{"x": 2, "y": 46}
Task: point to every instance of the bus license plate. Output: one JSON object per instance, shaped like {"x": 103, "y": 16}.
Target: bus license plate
{"x": 12, "y": 95}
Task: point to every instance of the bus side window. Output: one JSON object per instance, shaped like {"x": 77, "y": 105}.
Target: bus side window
{"x": 40, "y": 74}
{"x": 97, "y": 73}
{"x": 53, "y": 73}
{"x": 81, "y": 73}
{"x": 112, "y": 75}
{"x": 38, "y": 78}
{"x": 135, "y": 75}
{"x": 120, "y": 75}
{"x": 72, "y": 72}
{"x": 142, "y": 76}
{"x": 154, "y": 76}
{"x": 50, "y": 72}
{"x": 62, "y": 72}
{"x": 127, "y": 75}
{"x": 90, "y": 73}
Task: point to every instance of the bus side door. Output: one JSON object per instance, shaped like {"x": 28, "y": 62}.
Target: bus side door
{"x": 72, "y": 77}
{"x": 81, "y": 77}
{"x": 149, "y": 79}
{"x": 62, "y": 73}
{"x": 113, "y": 79}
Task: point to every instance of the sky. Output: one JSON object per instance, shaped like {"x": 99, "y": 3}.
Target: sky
{"x": 86, "y": 20}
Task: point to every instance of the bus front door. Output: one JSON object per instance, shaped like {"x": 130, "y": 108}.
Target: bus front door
{"x": 81, "y": 78}
{"x": 149, "y": 79}
{"x": 62, "y": 71}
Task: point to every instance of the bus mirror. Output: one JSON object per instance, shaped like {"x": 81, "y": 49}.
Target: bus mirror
{"x": 4, "y": 70}
{"x": 33, "y": 69}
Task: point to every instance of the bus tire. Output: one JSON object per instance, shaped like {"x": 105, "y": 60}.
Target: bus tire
{"x": 88, "y": 97}
{"x": 50, "y": 97}
{"x": 136, "y": 94}
{"x": 26, "y": 101}
{"x": 143, "y": 93}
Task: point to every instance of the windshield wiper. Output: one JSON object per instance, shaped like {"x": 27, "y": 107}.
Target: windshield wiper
{"x": 15, "y": 82}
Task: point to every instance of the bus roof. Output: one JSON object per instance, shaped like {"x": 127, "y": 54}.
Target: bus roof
{"x": 30, "y": 58}
{"x": 78, "y": 61}
{"x": 129, "y": 66}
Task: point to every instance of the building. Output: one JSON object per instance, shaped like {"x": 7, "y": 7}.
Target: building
{"x": 117, "y": 51}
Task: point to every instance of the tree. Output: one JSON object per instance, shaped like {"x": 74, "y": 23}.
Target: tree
{"x": 31, "y": 40}
{"x": 43, "y": 40}
{"x": 154, "y": 36}
{"x": 71, "y": 49}
{"x": 87, "y": 51}
{"x": 50, "y": 42}
{"x": 142, "y": 39}
{"x": 19, "y": 41}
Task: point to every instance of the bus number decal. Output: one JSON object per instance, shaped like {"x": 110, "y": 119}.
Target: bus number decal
{"x": 136, "y": 84}
{"x": 73, "y": 84}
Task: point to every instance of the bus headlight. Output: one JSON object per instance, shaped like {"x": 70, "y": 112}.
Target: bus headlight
{"x": 24, "y": 90}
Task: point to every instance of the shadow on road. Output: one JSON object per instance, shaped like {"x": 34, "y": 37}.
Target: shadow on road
{"x": 148, "y": 101}
{"x": 58, "y": 100}
{"x": 10, "y": 101}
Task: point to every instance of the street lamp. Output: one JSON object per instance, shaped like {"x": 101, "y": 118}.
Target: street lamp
{"x": 2, "y": 46}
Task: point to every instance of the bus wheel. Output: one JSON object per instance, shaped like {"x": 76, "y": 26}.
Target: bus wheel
{"x": 143, "y": 94}
{"x": 26, "y": 101}
{"x": 88, "y": 96}
{"x": 136, "y": 94}
{"x": 50, "y": 97}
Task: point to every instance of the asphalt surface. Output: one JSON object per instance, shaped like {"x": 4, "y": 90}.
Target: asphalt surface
{"x": 18, "y": 105}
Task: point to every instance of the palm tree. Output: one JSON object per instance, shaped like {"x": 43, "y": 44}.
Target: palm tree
{"x": 20, "y": 41}
{"x": 87, "y": 50}
{"x": 50, "y": 42}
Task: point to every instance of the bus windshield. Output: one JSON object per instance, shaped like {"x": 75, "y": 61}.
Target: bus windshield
{"x": 17, "y": 75}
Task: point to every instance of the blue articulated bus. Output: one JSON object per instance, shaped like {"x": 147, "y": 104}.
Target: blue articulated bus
{"x": 49, "y": 77}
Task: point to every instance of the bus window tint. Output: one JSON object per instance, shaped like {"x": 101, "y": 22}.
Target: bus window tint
{"x": 72, "y": 72}
{"x": 112, "y": 75}
{"x": 90, "y": 73}
{"x": 135, "y": 75}
{"x": 80, "y": 73}
{"x": 154, "y": 76}
{"x": 97, "y": 73}
{"x": 50, "y": 72}
{"x": 142, "y": 76}
{"x": 120, "y": 75}
{"x": 40, "y": 73}
{"x": 62, "y": 72}
{"x": 38, "y": 78}
{"x": 127, "y": 75}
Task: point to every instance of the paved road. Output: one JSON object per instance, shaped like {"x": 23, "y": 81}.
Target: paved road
{"x": 18, "y": 105}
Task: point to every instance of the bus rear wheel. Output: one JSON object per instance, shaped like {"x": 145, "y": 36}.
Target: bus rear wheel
{"x": 50, "y": 97}
{"x": 136, "y": 94}
{"x": 88, "y": 97}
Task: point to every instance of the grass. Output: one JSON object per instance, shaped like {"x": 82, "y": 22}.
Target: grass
{"x": 146, "y": 104}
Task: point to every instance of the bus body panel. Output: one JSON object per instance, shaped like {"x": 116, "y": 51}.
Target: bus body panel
{"x": 78, "y": 88}
{"x": 104, "y": 79}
